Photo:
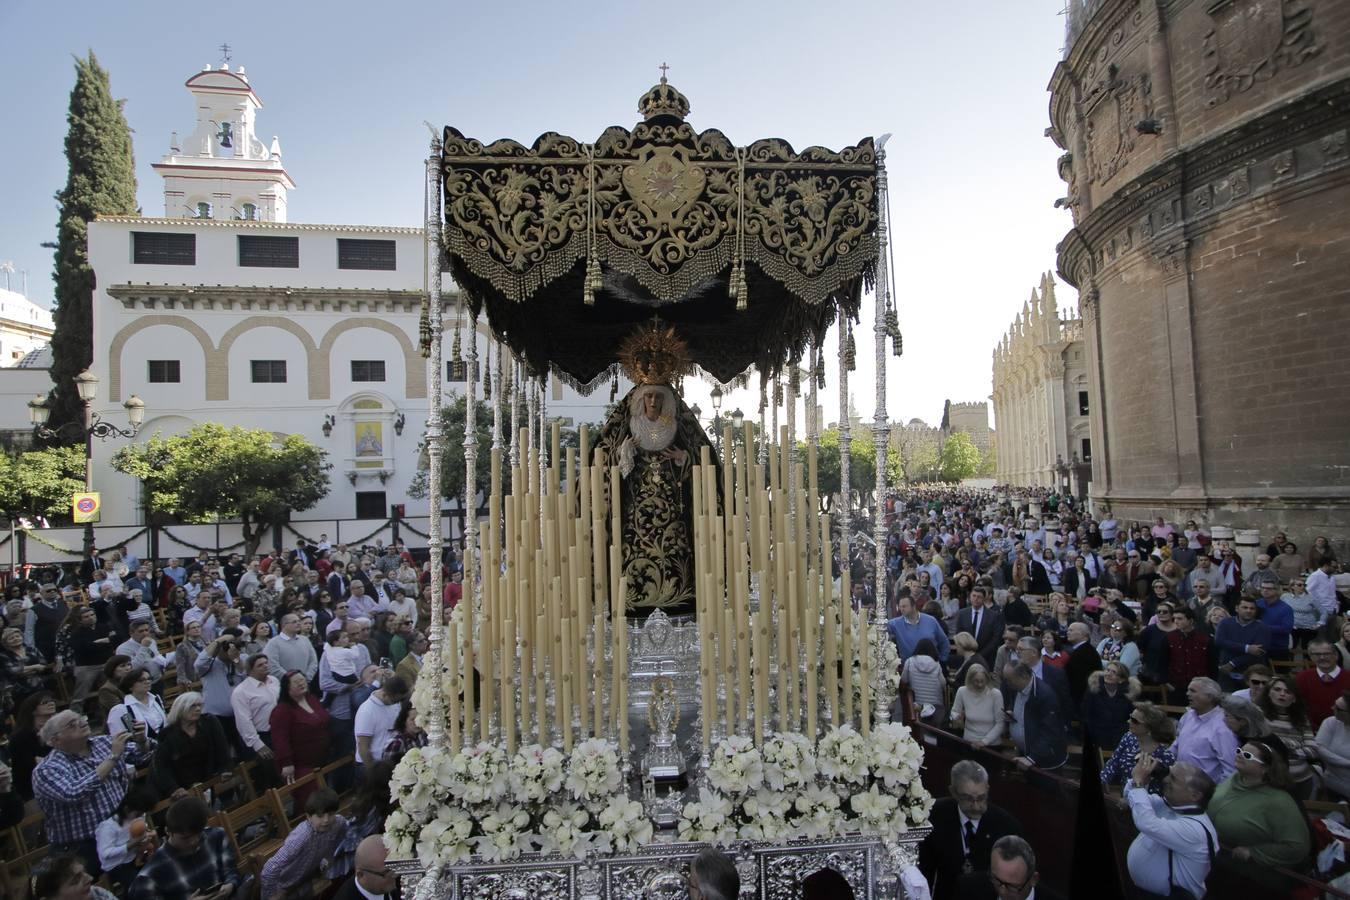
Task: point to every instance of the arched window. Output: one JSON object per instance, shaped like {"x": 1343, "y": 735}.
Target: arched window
{"x": 203, "y": 210}
{"x": 250, "y": 212}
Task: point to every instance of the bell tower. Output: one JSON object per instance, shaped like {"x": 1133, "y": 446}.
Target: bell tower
{"x": 222, "y": 170}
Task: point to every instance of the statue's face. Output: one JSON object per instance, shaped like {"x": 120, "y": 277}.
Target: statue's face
{"x": 652, "y": 402}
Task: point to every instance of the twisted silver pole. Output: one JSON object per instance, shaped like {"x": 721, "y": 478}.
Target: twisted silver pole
{"x": 435, "y": 716}
{"x": 881, "y": 432}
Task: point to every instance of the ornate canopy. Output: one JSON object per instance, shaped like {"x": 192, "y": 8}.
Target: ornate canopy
{"x": 746, "y": 251}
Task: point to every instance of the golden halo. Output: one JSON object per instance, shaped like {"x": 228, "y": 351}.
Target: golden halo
{"x": 654, "y": 354}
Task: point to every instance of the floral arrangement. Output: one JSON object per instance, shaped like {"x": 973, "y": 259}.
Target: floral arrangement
{"x": 480, "y": 802}
{"x": 786, "y": 790}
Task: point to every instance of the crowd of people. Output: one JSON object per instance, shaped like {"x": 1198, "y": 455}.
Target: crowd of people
{"x": 134, "y": 693}
{"x": 1216, "y": 692}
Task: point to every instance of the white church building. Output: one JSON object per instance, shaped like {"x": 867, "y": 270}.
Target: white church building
{"x": 224, "y": 311}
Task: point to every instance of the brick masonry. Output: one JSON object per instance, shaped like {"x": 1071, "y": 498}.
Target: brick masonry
{"x": 1213, "y": 256}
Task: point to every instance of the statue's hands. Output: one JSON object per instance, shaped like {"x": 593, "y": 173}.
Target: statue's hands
{"x": 676, "y": 455}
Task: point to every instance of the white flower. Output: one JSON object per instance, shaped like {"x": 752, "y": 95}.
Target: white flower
{"x": 895, "y": 756}
{"x": 593, "y": 771}
{"x": 706, "y": 819}
{"x": 536, "y": 774}
{"x": 503, "y": 833}
{"x": 564, "y": 826}
{"x": 626, "y": 824}
{"x": 874, "y": 810}
{"x": 479, "y": 775}
{"x": 736, "y": 766}
{"x": 445, "y": 839}
{"x": 842, "y": 755}
{"x": 788, "y": 761}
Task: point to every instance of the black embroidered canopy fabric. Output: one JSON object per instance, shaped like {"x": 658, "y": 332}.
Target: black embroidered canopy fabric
{"x": 667, "y": 222}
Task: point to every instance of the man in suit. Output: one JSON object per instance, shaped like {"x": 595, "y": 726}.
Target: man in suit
{"x": 1034, "y": 720}
{"x": 1083, "y": 661}
{"x": 372, "y": 879}
{"x": 965, "y": 827}
{"x": 1029, "y": 654}
{"x": 982, "y": 620}
{"x": 1012, "y": 875}
{"x": 93, "y": 563}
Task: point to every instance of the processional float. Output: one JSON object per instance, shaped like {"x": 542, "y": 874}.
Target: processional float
{"x": 582, "y": 744}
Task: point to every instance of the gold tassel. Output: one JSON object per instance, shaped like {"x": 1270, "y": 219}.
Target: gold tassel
{"x": 424, "y": 332}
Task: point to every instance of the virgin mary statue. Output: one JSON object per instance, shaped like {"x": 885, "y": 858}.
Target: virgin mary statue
{"x": 655, "y": 441}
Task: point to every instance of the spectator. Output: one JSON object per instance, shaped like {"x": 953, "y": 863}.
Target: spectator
{"x": 1119, "y": 646}
{"x": 252, "y": 701}
{"x": 1083, "y": 660}
{"x": 259, "y": 636}
{"x": 43, "y": 620}
{"x": 1333, "y": 747}
{"x": 1107, "y": 705}
{"x": 83, "y": 779}
{"x": 219, "y": 669}
{"x": 398, "y": 644}
{"x": 1007, "y": 652}
{"x": 109, "y": 692}
{"x": 1206, "y": 571}
{"x": 1322, "y": 586}
{"x": 1283, "y": 709}
{"x": 982, "y": 620}
{"x": 1188, "y": 653}
{"x": 922, "y": 672}
{"x": 308, "y": 849}
{"x": 290, "y": 651}
{"x": 1287, "y": 562}
{"x": 1153, "y": 642}
{"x": 25, "y": 747}
{"x": 1257, "y": 680}
{"x": 1242, "y": 641}
{"x": 196, "y": 861}
{"x": 1202, "y": 737}
{"x": 1052, "y": 652}
{"x": 1029, "y": 654}
{"x": 186, "y": 653}
{"x": 1320, "y": 552}
{"x": 713, "y": 876}
{"x": 22, "y": 667}
{"x": 1245, "y": 720}
{"x": 1012, "y": 874}
{"x": 1201, "y": 601}
{"x": 1149, "y": 734}
{"x": 1175, "y": 823}
{"x": 192, "y": 748}
{"x": 1058, "y": 616}
{"x": 978, "y": 709}
{"x": 1034, "y": 716}
{"x": 408, "y": 734}
{"x": 1261, "y": 574}
{"x": 409, "y": 667}
{"x": 140, "y": 703}
{"x": 1276, "y": 615}
{"x": 374, "y": 723}
{"x": 371, "y": 807}
{"x": 91, "y": 645}
{"x": 1321, "y": 685}
{"x": 965, "y": 826}
{"x": 299, "y": 728}
{"x": 65, "y": 877}
{"x": 912, "y": 626}
{"x": 1015, "y": 610}
{"x": 140, "y": 647}
{"x": 1257, "y": 819}
{"x": 1309, "y": 618}
{"x": 1079, "y": 580}
{"x": 120, "y": 852}
{"x": 968, "y": 654}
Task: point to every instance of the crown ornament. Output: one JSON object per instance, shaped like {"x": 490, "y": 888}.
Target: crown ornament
{"x": 663, "y": 100}
{"x": 654, "y": 354}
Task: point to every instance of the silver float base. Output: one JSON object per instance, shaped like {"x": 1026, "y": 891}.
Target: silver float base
{"x": 658, "y": 872}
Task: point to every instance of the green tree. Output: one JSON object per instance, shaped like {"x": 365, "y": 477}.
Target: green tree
{"x": 862, "y": 475}
{"x": 40, "y": 482}
{"x": 960, "y": 458}
{"x": 452, "y": 457}
{"x": 101, "y": 181}
{"x": 989, "y": 463}
{"x": 216, "y": 472}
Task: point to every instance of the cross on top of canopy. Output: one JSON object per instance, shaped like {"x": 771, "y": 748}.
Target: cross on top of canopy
{"x": 748, "y": 252}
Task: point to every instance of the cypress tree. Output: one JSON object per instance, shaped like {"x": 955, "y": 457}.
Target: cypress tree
{"x": 101, "y": 180}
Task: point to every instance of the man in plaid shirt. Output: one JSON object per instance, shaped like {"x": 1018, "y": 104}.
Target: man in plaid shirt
{"x": 83, "y": 779}
{"x": 195, "y": 862}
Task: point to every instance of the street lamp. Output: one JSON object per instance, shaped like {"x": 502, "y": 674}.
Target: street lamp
{"x": 86, "y": 384}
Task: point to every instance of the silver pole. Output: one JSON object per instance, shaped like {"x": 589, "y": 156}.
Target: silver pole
{"x": 435, "y": 443}
{"x": 881, "y": 431}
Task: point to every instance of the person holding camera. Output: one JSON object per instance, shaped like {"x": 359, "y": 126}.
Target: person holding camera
{"x": 196, "y": 862}
{"x": 83, "y": 779}
{"x": 220, "y": 669}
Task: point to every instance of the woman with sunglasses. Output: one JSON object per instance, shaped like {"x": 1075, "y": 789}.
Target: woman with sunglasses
{"x": 1309, "y": 617}
{"x": 1148, "y": 732}
{"x": 1257, "y": 818}
{"x": 1119, "y": 646}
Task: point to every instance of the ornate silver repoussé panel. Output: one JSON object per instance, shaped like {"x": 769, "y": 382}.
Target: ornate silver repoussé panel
{"x": 658, "y": 872}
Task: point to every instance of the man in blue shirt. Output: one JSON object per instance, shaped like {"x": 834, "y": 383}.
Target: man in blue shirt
{"x": 1242, "y": 641}
{"x": 1278, "y": 616}
{"x": 912, "y": 626}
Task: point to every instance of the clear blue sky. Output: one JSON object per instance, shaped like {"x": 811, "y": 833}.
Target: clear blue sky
{"x": 347, "y": 85}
